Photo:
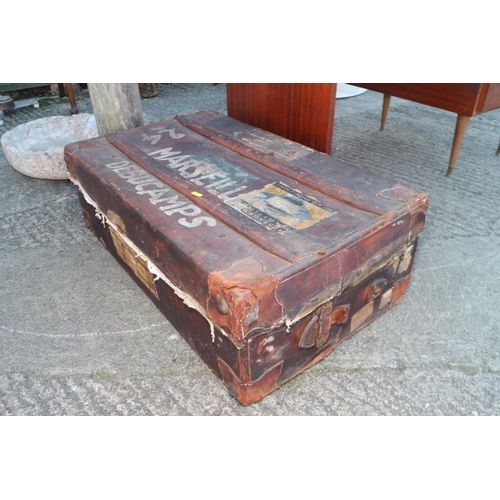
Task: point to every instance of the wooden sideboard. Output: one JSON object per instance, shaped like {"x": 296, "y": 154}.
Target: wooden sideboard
{"x": 301, "y": 112}
{"x": 464, "y": 99}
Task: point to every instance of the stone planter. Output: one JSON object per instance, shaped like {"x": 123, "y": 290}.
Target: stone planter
{"x": 36, "y": 148}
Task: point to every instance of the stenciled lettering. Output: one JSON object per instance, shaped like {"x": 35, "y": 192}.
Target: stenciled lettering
{"x": 148, "y": 182}
{"x": 202, "y": 172}
{"x": 164, "y": 154}
{"x": 118, "y": 164}
{"x": 170, "y": 205}
{"x": 154, "y": 195}
{"x": 172, "y": 133}
{"x": 188, "y": 210}
{"x": 173, "y": 203}
{"x": 197, "y": 221}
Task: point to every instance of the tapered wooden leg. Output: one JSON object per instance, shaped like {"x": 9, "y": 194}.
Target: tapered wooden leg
{"x": 385, "y": 109}
{"x": 62, "y": 91}
{"x": 498, "y": 150}
{"x": 71, "y": 95}
{"x": 462, "y": 122}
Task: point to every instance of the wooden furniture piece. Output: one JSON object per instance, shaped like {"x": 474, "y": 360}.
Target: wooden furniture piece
{"x": 67, "y": 89}
{"x": 464, "y": 99}
{"x": 145, "y": 94}
{"x": 63, "y": 88}
{"x": 301, "y": 112}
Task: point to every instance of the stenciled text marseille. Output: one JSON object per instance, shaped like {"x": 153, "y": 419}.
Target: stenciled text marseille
{"x": 200, "y": 173}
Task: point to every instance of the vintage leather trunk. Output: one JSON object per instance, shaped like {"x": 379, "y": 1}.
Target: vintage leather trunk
{"x": 263, "y": 253}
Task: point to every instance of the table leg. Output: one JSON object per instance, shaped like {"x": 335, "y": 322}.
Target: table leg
{"x": 385, "y": 109}
{"x": 498, "y": 150}
{"x": 462, "y": 122}
{"x": 146, "y": 95}
{"x": 71, "y": 95}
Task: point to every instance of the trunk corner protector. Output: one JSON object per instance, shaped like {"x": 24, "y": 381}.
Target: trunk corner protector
{"x": 239, "y": 294}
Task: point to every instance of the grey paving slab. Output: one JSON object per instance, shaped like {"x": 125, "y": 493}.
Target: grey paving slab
{"x": 78, "y": 337}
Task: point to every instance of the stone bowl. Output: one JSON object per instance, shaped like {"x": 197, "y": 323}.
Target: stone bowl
{"x": 36, "y": 148}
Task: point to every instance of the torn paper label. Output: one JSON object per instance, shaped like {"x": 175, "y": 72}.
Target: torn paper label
{"x": 280, "y": 208}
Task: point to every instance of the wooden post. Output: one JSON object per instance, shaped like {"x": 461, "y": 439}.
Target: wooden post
{"x": 116, "y": 106}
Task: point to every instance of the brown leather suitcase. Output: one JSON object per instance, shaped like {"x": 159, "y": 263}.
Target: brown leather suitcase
{"x": 263, "y": 254}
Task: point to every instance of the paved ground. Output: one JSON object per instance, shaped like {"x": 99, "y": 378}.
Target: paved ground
{"x": 77, "y": 337}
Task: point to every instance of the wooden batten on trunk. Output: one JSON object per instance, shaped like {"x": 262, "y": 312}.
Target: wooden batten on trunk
{"x": 116, "y": 106}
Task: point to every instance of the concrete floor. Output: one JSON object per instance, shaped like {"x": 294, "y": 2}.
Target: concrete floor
{"x": 78, "y": 337}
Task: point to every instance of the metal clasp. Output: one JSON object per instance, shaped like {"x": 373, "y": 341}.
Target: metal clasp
{"x": 317, "y": 331}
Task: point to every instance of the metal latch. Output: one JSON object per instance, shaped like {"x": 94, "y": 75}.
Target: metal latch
{"x": 317, "y": 330}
